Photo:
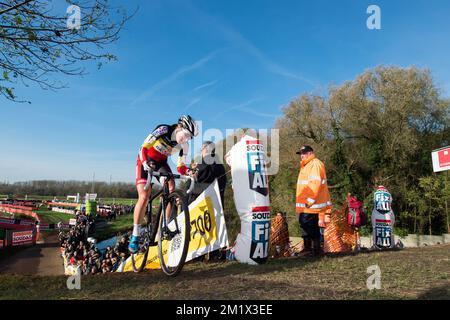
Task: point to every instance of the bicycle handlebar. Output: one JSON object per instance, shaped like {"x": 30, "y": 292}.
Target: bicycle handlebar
{"x": 169, "y": 175}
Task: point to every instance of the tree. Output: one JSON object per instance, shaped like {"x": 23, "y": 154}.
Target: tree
{"x": 377, "y": 129}
{"x": 36, "y": 42}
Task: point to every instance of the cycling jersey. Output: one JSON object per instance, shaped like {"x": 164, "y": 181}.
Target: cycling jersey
{"x": 157, "y": 147}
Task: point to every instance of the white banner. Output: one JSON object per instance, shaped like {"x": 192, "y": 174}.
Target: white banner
{"x": 247, "y": 160}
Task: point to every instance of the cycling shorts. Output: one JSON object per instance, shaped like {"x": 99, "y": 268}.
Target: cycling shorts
{"x": 142, "y": 175}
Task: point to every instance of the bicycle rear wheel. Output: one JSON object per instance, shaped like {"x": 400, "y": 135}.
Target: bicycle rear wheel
{"x": 173, "y": 242}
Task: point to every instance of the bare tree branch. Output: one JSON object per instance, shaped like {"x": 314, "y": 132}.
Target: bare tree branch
{"x": 36, "y": 44}
{"x": 14, "y": 7}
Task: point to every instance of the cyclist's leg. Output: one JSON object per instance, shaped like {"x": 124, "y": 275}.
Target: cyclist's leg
{"x": 141, "y": 180}
{"x": 164, "y": 168}
{"x": 141, "y": 205}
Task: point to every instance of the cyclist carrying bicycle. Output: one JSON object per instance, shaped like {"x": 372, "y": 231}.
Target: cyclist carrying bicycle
{"x": 153, "y": 154}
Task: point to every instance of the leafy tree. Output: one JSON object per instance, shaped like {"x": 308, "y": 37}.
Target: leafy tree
{"x": 377, "y": 129}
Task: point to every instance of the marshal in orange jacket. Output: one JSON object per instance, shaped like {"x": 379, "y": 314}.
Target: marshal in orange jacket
{"x": 312, "y": 191}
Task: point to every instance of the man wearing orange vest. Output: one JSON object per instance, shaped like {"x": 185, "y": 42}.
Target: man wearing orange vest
{"x": 313, "y": 203}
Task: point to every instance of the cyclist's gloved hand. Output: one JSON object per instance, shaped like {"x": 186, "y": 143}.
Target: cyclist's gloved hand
{"x": 146, "y": 166}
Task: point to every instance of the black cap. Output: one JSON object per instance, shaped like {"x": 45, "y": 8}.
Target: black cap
{"x": 305, "y": 149}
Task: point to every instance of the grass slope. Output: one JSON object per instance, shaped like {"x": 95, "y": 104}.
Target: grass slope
{"x": 422, "y": 273}
{"x": 120, "y": 225}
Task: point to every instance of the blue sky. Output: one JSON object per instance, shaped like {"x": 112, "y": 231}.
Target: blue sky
{"x": 227, "y": 63}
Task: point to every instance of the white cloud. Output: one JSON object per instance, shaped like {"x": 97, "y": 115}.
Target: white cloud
{"x": 205, "y": 85}
{"x": 238, "y": 39}
{"x": 237, "y": 107}
{"x": 174, "y": 76}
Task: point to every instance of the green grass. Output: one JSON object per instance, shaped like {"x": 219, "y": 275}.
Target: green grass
{"x": 122, "y": 201}
{"x": 417, "y": 273}
{"x": 120, "y": 225}
{"x": 48, "y": 216}
{"x": 16, "y": 216}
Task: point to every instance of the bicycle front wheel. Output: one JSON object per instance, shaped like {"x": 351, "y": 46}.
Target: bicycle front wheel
{"x": 139, "y": 259}
{"x": 173, "y": 242}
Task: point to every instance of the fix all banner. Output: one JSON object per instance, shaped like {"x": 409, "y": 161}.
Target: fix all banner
{"x": 247, "y": 160}
{"x": 382, "y": 201}
{"x": 259, "y": 250}
{"x": 383, "y": 229}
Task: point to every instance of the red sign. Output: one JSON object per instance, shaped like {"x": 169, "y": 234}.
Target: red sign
{"x": 444, "y": 158}
{"x": 441, "y": 159}
{"x": 22, "y": 237}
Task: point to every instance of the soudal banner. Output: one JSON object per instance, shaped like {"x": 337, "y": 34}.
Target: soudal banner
{"x": 441, "y": 159}
{"x": 20, "y": 238}
{"x": 259, "y": 250}
{"x": 257, "y": 176}
{"x": 251, "y": 197}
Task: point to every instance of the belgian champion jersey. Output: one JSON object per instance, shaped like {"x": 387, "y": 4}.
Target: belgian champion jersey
{"x": 159, "y": 144}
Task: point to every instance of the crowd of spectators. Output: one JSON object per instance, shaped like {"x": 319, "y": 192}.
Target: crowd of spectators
{"x": 113, "y": 211}
{"x": 82, "y": 253}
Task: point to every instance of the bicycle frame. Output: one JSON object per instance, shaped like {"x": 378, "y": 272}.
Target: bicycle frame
{"x": 163, "y": 225}
{"x": 163, "y": 192}
{"x": 149, "y": 212}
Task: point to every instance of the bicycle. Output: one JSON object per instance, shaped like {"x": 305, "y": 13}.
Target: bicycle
{"x": 172, "y": 233}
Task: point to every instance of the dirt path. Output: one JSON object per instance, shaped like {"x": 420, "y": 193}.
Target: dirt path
{"x": 42, "y": 259}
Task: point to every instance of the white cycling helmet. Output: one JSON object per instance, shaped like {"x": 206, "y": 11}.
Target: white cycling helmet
{"x": 189, "y": 124}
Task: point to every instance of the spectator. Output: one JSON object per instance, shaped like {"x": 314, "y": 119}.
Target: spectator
{"x": 313, "y": 203}
{"x": 209, "y": 169}
{"x": 122, "y": 247}
{"x": 86, "y": 255}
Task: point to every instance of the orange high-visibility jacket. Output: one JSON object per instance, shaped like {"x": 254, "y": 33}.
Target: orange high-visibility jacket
{"x": 312, "y": 188}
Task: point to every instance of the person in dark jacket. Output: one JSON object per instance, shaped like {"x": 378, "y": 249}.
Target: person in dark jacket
{"x": 209, "y": 169}
{"x": 205, "y": 172}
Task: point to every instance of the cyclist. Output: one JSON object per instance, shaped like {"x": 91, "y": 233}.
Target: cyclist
{"x": 153, "y": 154}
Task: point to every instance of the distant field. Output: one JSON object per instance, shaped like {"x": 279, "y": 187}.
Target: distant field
{"x": 48, "y": 216}
{"x": 122, "y": 201}
{"x": 121, "y": 225}
{"x": 61, "y": 198}
{"x": 45, "y": 215}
